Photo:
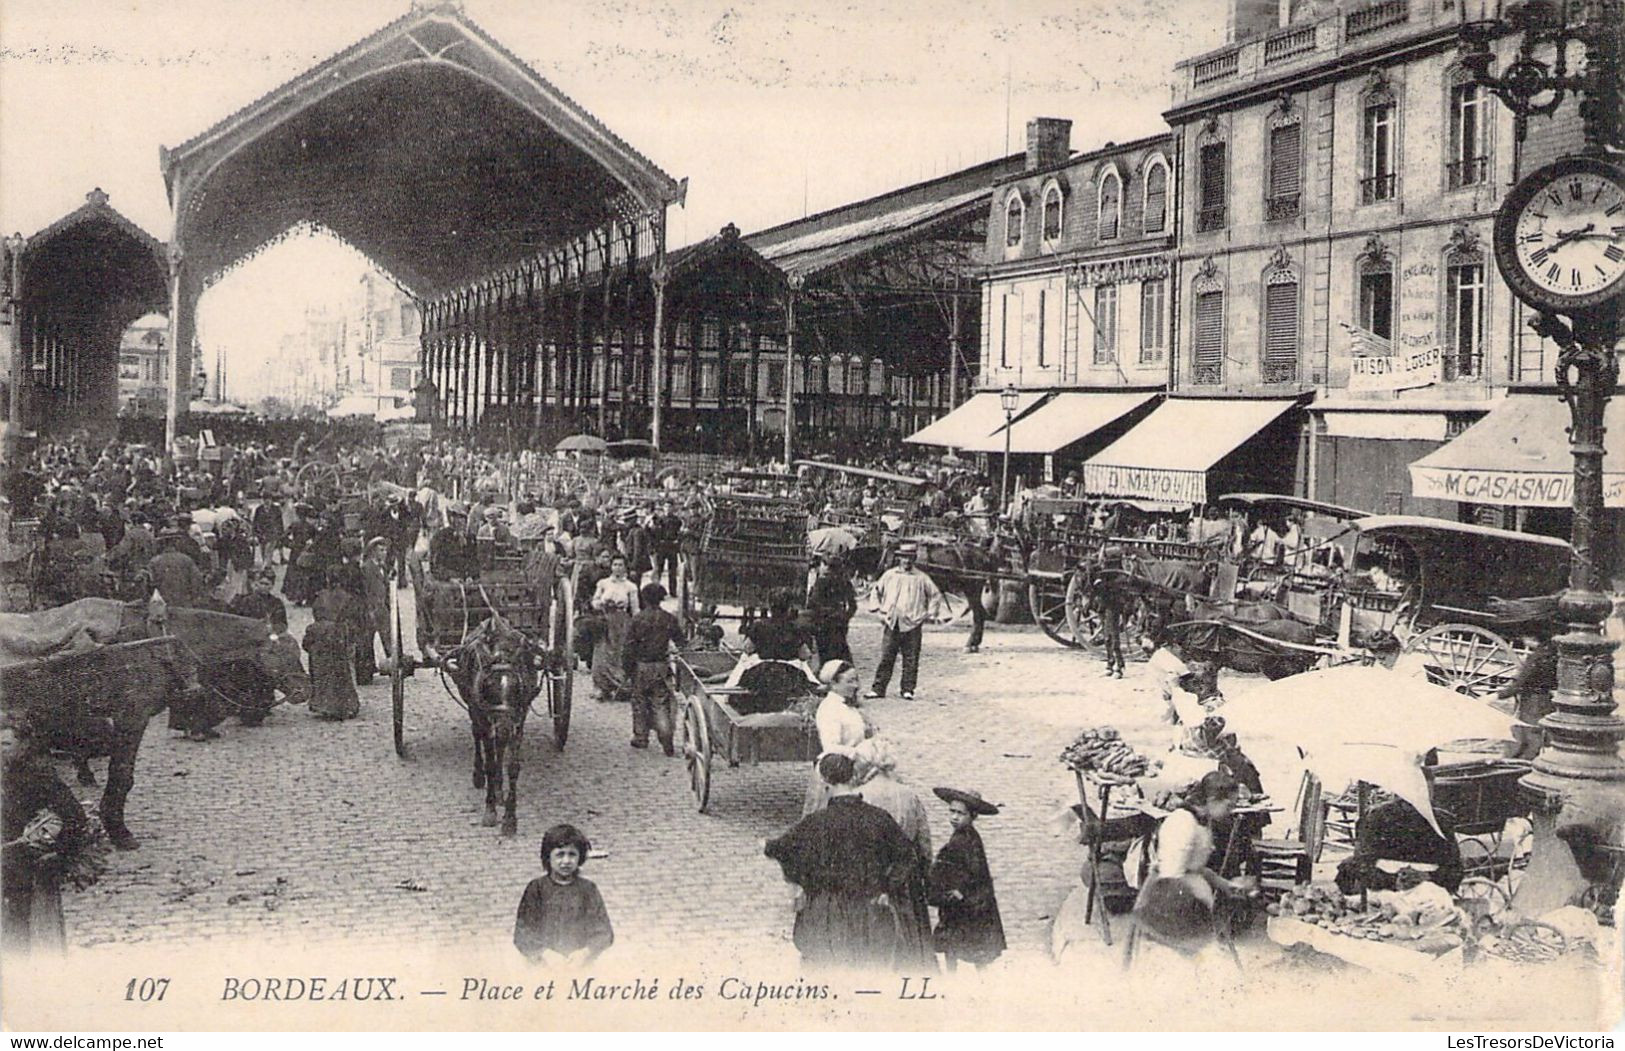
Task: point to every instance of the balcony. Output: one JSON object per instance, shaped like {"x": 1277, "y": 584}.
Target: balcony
{"x": 1462, "y": 363}
{"x": 1285, "y": 371}
{"x": 1290, "y": 44}
{"x": 1207, "y": 373}
{"x": 1284, "y": 206}
{"x": 1375, "y": 188}
{"x": 1217, "y": 67}
{"x": 1210, "y": 219}
{"x": 1378, "y": 16}
{"x": 1473, "y": 171}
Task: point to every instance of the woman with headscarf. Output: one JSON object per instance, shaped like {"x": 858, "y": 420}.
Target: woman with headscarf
{"x": 841, "y": 726}
{"x": 876, "y": 767}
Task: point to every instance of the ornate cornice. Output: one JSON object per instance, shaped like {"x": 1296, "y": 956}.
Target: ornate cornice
{"x": 1118, "y": 271}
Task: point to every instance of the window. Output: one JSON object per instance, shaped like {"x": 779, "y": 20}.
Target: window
{"x": 1280, "y": 364}
{"x": 1042, "y": 330}
{"x": 837, "y": 376}
{"x": 400, "y": 379}
{"x": 1153, "y": 311}
{"x": 679, "y": 379}
{"x": 1380, "y": 183}
{"x": 1207, "y": 357}
{"x": 1052, "y": 213}
{"x": 877, "y": 376}
{"x": 1211, "y": 174}
{"x": 1015, "y": 213}
{"x": 1468, "y": 163}
{"x": 1004, "y": 331}
{"x": 775, "y": 379}
{"x": 1105, "y": 324}
{"x": 708, "y": 379}
{"x": 409, "y": 319}
{"x": 1464, "y": 318}
{"x": 1111, "y": 205}
{"x": 1377, "y": 299}
{"x": 738, "y": 378}
{"x": 1156, "y": 197}
{"x": 1285, "y": 172}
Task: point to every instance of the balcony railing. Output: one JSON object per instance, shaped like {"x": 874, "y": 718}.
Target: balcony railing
{"x": 1285, "y": 371}
{"x": 1283, "y": 46}
{"x": 1284, "y": 206}
{"x": 1216, "y": 68}
{"x": 1461, "y": 363}
{"x": 1207, "y": 372}
{"x": 1210, "y": 219}
{"x": 1474, "y": 171}
{"x": 1377, "y": 16}
{"x": 1374, "y": 188}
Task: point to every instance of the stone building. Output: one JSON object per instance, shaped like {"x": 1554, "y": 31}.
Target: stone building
{"x": 1075, "y": 300}
{"x": 1341, "y": 174}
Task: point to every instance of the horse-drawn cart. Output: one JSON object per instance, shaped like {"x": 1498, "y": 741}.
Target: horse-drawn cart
{"x": 750, "y": 546}
{"x": 718, "y": 723}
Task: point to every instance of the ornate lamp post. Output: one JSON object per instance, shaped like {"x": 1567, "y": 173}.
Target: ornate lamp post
{"x": 1009, "y": 399}
{"x": 1558, "y": 246}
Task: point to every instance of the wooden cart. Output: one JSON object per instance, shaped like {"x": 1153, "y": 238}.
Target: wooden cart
{"x": 712, "y": 730}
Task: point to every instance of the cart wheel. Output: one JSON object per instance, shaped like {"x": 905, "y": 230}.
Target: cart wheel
{"x": 696, "y": 744}
{"x": 1466, "y": 658}
{"x": 397, "y": 683}
{"x": 1482, "y": 898}
{"x": 1047, "y": 599}
{"x": 1081, "y": 620}
{"x": 561, "y": 685}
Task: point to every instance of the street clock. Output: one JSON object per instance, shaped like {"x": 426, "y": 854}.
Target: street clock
{"x": 1560, "y": 235}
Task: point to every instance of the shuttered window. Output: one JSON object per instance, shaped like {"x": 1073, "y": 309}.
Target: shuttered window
{"x": 1153, "y": 308}
{"x": 1111, "y": 199}
{"x": 1207, "y": 360}
{"x": 1156, "y": 199}
{"x": 1284, "y": 161}
{"x": 1042, "y": 296}
{"x": 1280, "y": 363}
{"x": 1105, "y": 324}
{"x": 1211, "y": 172}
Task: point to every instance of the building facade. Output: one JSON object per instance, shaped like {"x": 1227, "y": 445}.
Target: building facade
{"x": 1341, "y": 175}
{"x": 143, "y": 361}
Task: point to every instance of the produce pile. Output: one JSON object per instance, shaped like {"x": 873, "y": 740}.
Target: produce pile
{"x": 1433, "y": 928}
{"x": 1525, "y": 942}
{"x": 1102, "y": 749}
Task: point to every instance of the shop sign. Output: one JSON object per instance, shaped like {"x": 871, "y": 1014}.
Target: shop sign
{"x": 1150, "y": 483}
{"x": 1400, "y": 371}
{"x": 1507, "y": 488}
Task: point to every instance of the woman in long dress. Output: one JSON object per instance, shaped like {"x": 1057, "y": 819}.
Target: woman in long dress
{"x": 879, "y": 787}
{"x": 616, "y": 599}
{"x": 332, "y": 672}
{"x": 841, "y": 726}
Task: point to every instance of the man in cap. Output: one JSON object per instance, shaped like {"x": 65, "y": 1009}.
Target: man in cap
{"x": 174, "y": 573}
{"x": 665, "y": 539}
{"x": 375, "y": 570}
{"x": 905, "y": 599}
{"x": 452, "y": 555}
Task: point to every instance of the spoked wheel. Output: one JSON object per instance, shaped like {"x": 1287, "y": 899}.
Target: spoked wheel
{"x": 397, "y": 678}
{"x": 1466, "y": 658}
{"x": 1047, "y": 600}
{"x": 696, "y": 745}
{"x": 1082, "y": 621}
{"x": 561, "y": 683}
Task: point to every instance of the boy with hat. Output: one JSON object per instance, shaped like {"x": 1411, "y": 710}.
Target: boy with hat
{"x": 961, "y": 887}
{"x": 905, "y": 599}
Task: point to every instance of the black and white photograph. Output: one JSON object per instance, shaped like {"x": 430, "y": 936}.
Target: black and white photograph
{"x": 738, "y": 515}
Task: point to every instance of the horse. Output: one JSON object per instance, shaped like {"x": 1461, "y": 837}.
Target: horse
{"x": 497, "y": 671}
{"x": 200, "y": 639}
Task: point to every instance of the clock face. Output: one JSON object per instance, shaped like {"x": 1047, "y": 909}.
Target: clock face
{"x": 1563, "y": 232}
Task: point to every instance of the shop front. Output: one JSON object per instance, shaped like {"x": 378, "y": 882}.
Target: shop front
{"x": 1193, "y": 450}
{"x": 1061, "y": 433}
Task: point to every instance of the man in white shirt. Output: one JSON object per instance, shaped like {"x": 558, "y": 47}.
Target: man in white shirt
{"x": 905, "y": 599}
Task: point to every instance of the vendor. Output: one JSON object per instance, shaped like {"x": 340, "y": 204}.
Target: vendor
{"x": 1394, "y": 837}
{"x": 1177, "y": 903}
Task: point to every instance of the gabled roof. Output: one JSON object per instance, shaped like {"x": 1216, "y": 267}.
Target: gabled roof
{"x": 96, "y": 209}
{"x": 726, "y": 245}
{"x": 822, "y": 249}
{"x": 428, "y": 145}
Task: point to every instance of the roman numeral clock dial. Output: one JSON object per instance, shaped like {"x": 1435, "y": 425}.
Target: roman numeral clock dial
{"x": 1560, "y": 235}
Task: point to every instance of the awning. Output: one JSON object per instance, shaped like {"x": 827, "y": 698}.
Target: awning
{"x": 1068, "y": 417}
{"x": 1518, "y": 456}
{"x": 1168, "y": 454}
{"x": 972, "y": 421}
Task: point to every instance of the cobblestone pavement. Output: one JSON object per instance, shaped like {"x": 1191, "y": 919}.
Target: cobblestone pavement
{"x": 302, "y": 828}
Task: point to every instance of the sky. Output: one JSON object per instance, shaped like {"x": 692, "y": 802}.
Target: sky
{"x": 770, "y": 108}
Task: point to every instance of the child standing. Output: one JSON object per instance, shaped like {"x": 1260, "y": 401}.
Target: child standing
{"x": 561, "y": 918}
{"x": 961, "y": 887}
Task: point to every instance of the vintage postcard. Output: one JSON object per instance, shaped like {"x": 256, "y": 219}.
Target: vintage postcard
{"x": 524, "y": 515}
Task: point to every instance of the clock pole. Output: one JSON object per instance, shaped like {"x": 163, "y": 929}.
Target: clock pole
{"x": 1577, "y": 785}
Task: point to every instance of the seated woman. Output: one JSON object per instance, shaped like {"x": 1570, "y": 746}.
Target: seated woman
{"x": 1394, "y": 837}
{"x": 777, "y": 638}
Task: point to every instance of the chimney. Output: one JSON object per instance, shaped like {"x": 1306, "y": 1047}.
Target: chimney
{"x": 1252, "y": 18}
{"x": 1049, "y": 142}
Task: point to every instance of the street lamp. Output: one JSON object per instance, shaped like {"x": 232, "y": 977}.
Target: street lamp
{"x": 1577, "y": 786}
{"x": 1009, "y": 398}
